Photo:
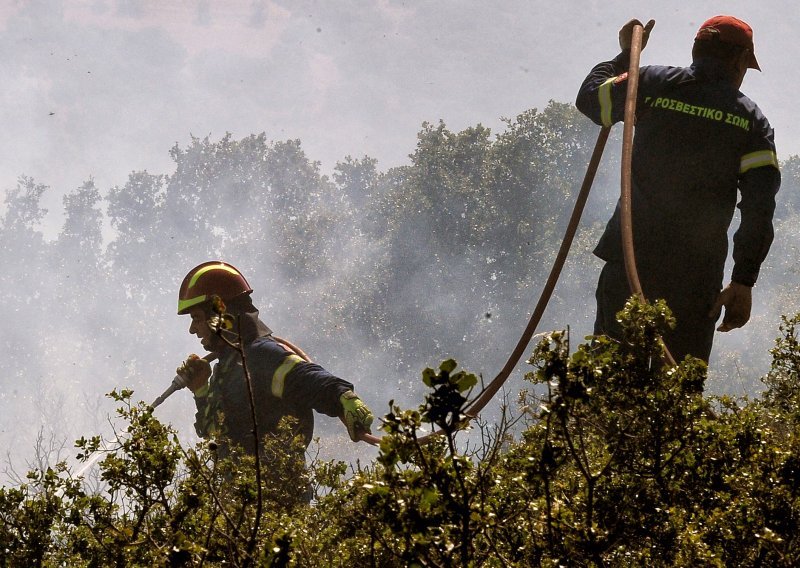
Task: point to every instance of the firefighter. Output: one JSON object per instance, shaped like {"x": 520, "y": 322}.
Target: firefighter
{"x": 283, "y": 382}
{"x": 698, "y": 141}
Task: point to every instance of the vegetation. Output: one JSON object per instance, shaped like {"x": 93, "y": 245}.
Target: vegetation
{"x": 608, "y": 459}
{"x": 621, "y": 461}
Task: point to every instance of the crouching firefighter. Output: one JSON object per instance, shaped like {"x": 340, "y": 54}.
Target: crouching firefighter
{"x": 283, "y": 382}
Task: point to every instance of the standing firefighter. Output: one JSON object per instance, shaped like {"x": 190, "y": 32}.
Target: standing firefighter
{"x": 283, "y": 383}
{"x": 698, "y": 140}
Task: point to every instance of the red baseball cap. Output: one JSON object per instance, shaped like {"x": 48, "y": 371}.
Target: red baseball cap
{"x": 730, "y": 30}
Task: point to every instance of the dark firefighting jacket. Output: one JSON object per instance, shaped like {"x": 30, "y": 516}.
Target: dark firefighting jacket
{"x": 283, "y": 385}
{"x": 697, "y": 141}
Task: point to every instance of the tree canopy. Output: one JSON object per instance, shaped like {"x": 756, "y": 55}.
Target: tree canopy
{"x": 608, "y": 459}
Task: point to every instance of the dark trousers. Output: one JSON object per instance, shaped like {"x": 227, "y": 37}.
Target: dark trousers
{"x": 689, "y": 294}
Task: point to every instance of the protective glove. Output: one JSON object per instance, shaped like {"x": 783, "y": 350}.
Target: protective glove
{"x": 626, "y": 33}
{"x": 194, "y": 372}
{"x": 357, "y": 417}
{"x": 737, "y": 300}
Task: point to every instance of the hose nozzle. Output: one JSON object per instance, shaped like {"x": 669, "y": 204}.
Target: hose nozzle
{"x": 178, "y": 383}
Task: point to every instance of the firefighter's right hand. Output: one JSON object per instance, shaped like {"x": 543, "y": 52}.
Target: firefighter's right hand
{"x": 737, "y": 299}
{"x": 626, "y": 33}
{"x": 195, "y": 371}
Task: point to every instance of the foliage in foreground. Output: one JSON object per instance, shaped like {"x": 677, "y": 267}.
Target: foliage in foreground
{"x": 614, "y": 460}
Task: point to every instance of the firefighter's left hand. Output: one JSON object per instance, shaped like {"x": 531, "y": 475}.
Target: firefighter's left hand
{"x": 357, "y": 417}
{"x": 737, "y": 299}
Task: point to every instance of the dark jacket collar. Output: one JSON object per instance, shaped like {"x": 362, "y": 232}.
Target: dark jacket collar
{"x": 712, "y": 70}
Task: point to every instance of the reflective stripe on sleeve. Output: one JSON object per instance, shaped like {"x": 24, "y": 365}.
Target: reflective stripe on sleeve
{"x": 209, "y": 419}
{"x": 279, "y": 377}
{"x": 758, "y": 160}
{"x": 606, "y": 104}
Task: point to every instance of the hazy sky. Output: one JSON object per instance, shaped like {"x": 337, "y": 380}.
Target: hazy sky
{"x": 103, "y": 87}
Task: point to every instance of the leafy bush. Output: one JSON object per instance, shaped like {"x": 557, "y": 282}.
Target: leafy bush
{"x": 617, "y": 460}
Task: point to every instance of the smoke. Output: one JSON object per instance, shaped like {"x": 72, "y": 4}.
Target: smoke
{"x": 375, "y": 273}
{"x": 373, "y": 299}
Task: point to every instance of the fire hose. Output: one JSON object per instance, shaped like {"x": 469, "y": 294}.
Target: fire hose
{"x": 627, "y": 231}
{"x": 490, "y": 390}
{"x": 627, "y": 158}
{"x": 178, "y": 383}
